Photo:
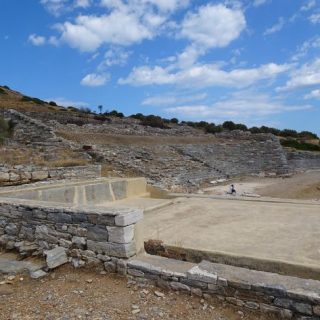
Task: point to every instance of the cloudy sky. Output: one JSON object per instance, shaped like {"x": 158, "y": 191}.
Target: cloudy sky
{"x": 251, "y": 61}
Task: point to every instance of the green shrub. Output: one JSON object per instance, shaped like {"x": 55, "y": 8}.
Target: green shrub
{"x": 30, "y": 99}
{"x": 307, "y": 135}
{"x": 6, "y": 129}
{"x": 52, "y": 103}
{"x": 212, "y": 128}
{"x": 154, "y": 121}
{"x": 114, "y": 113}
{"x": 292, "y": 143}
{"x": 138, "y": 116}
{"x": 174, "y": 120}
{"x": 2, "y": 91}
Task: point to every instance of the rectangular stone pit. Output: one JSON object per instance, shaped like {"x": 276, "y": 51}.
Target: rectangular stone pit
{"x": 72, "y": 215}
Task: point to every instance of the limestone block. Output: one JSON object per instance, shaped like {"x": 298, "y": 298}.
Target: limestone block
{"x": 97, "y": 233}
{"x": 198, "y": 274}
{"x": 65, "y": 243}
{"x": 56, "y": 257}
{"x": 303, "y": 308}
{"x": 25, "y": 175}
{"x": 39, "y": 214}
{"x": 235, "y": 301}
{"x": 179, "y": 286}
{"x": 60, "y": 217}
{"x": 126, "y": 250}
{"x": 39, "y": 175}
{"x": 26, "y": 233}
{"x": 11, "y": 229}
{"x": 283, "y": 302}
{"x": 316, "y": 310}
{"x": 135, "y": 273}
{"x": 252, "y": 305}
{"x": 121, "y": 234}
{"x": 79, "y": 242}
{"x": 131, "y": 217}
{"x": 4, "y": 177}
{"x": 78, "y": 231}
{"x": 14, "y": 177}
{"x": 26, "y": 247}
{"x": 37, "y": 274}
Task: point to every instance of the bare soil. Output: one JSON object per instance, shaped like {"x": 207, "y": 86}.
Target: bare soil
{"x": 71, "y": 293}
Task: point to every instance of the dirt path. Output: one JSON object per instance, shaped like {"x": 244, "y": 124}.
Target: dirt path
{"x": 71, "y": 293}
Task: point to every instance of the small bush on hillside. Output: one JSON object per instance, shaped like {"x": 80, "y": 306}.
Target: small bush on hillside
{"x": 154, "y": 121}
{"x": 174, "y": 120}
{"x": 292, "y": 143}
{"x": 52, "y": 103}
{"x": 6, "y": 129}
{"x": 73, "y": 109}
{"x": 85, "y": 110}
{"x": 289, "y": 133}
{"x": 138, "y": 116}
{"x": 34, "y": 100}
{"x": 307, "y": 135}
{"x": 212, "y": 128}
{"x": 114, "y": 113}
{"x": 101, "y": 117}
{"x": 2, "y": 91}
{"x": 6, "y": 87}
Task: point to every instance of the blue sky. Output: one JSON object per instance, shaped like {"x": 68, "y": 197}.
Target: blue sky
{"x": 251, "y": 61}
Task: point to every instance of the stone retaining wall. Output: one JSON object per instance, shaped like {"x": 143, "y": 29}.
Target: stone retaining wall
{"x": 86, "y": 234}
{"x": 29, "y": 131}
{"x": 25, "y": 174}
{"x": 303, "y": 160}
{"x": 282, "y": 296}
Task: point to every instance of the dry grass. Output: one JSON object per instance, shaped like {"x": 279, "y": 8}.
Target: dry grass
{"x": 28, "y": 156}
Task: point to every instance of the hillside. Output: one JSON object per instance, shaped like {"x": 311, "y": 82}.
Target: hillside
{"x": 171, "y": 155}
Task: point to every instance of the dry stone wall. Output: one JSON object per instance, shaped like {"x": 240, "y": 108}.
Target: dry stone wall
{"x": 86, "y": 234}
{"x": 25, "y": 174}
{"x": 281, "y": 296}
{"x": 303, "y": 160}
{"x": 29, "y": 131}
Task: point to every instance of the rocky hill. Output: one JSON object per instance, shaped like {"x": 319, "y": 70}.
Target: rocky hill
{"x": 177, "y": 157}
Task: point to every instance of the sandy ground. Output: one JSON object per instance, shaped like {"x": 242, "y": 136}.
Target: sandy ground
{"x": 68, "y": 294}
{"x": 300, "y": 186}
{"x": 257, "y": 229}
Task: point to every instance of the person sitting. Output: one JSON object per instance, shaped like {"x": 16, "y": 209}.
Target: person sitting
{"x": 233, "y": 190}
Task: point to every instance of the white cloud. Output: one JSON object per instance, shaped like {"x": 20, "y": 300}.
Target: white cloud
{"x": 309, "y": 5}
{"x": 55, "y": 7}
{"x": 315, "y": 18}
{"x": 303, "y": 50}
{"x": 171, "y": 99}
{"x": 314, "y": 94}
{"x": 241, "y": 105}
{"x": 306, "y": 76}
{"x": 94, "y": 80}
{"x": 114, "y": 56}
{"x": 90, "y": 32}
{"x": 205, "y": 75}
{"x": 82, "y": 3}
{"x": 213, "y": 26}
{"x": 60, "y": 101}
{"x": 58, "y": 7}
{"x": 37, "y": 40}
{"x": 257, "y": 3}
{"x": 275, "y": 28}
